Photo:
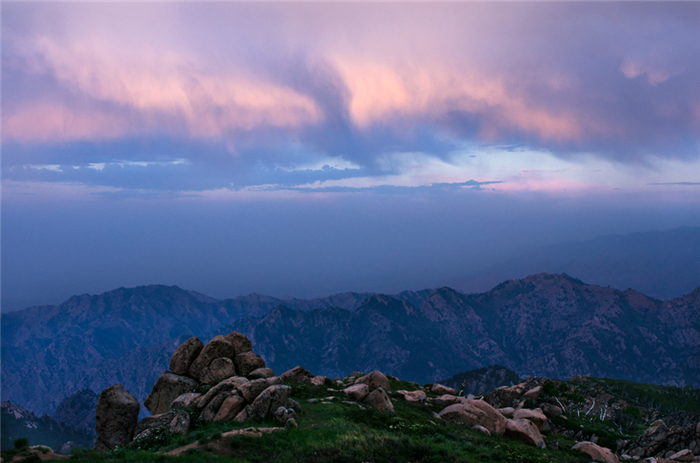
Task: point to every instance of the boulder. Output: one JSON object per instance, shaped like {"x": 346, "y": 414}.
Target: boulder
{"x": 379, "y": 400}
{"x": 357, "y": 392}
{"x": 247, "y": 362}
{"x": 374, "y": 380}
{"x": 281, "y": 415}
{"x": 100, "y": 446}
{"x": 180, "y": 423}
{"x": 261, "y": 373}
{"x": 184, "y": 400}
{"x": 240, "y": 342}
{"x": 525, "y": 431}
{"x": 441, "y": 389}
{"x": 319, "y": 380}
{"x": 444, "y": 400}
{"x": 473, "y": 412}
{"x": 117, "y": 414}
{"x": 413, "y": 396}
{"x": 66, "y": 448}
{"x": 269, "y": 400}
{"x": 481, "y": 429}
{"x": 252, "y": 389}
{"x": 216, "y": 348}
{"x": 184, "y": 355}
{"x": 218, "y": 369}
{"x": 297, "y": 374}
{"x": 551, "y": 411}
{"x": 508, "y": 412}
{"x": 536, "y": 416}
{"x": 230, "y": 407}
{"x": 212, "y": 408}
{"x": 275, "y": 380}
{"x": 153, "y": 422}
{"x": 167, "y": 388}
{"x": 596, "y": 452}
{"x": 291, "y": 424}
{"x": 226, "y": 385}
{"x": 683, "y": 455}
{"x": 534, "y": 393}
{"x": 504, "y": 396}
{"x": 293, "y": 404}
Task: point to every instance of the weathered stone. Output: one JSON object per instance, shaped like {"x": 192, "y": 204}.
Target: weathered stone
{"x": 297, "y": 374}
{"x": 478, "y": 427}
{"x": 374, "y": 380}
{"x": 536, "y": 416}
{"x": 116, "y": 416}
{"x": 180, "y": 424}
{"x": 508, "y": 412}
{"x": 247, "y": 362}
{"x": 318, "y": 380}
{"x": 261, "y": 373}
{"x": 252, "y": 389}
{"x": 291, "y": 424}
{"x": 534, "y": 393}
{"x": 357, "y": 392}
{"x": 153, "y": 422}
{"x": 444, "y": 400}
{"x": 274, "y": 381}
{"x": 551, "y": 411}
{"x": 379, "y": 400}
{"x": 473, "y": 412}
{"x": 505, "y": 396}
{"x": 683, "y": 455}
{"x": 100, "y": 446}
{"x": 525, "y": 431}
{"x": 281, "y": 415}
{"x": 218, "y": 369}
{"x": 214, "y": 349}
{"x": 230, "y": 407}
{"x": 240, "y": 342}
{"x": 413, "y": 396}
{"x": 184, "y": 400}
{"x": 212, "y": 408}
{"x": 596, "y": 452}
{"x": 270, "y": 399}
{"x": 226, "y": 385}
{"x": 184, "y": 355}
{"x": 143, "y": 434}
{"x": 441, "y": 389}
{"x": 293, "y": 404}
{"x": 167, "y": 388}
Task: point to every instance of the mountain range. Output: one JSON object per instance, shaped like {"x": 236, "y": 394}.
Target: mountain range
{"x": 662, "y": 264}
{"x": 548, "y": 325}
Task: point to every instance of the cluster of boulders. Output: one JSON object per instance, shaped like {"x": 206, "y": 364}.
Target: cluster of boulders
{"x": 242, "y": 388}
{"x": 676, "y": 437}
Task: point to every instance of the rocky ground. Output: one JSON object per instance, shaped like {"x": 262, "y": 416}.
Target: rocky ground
{"x": 220, "y": 401}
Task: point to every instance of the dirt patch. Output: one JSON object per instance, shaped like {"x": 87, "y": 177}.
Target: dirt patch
{"x": 222, "y": 446}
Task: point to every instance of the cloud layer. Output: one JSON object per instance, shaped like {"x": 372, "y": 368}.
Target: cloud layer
{"x": 247, "y": 94}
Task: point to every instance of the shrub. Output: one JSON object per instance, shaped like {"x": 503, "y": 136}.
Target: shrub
{"x": 21, "y": 443}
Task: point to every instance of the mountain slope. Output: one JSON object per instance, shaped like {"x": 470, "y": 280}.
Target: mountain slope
{"x": 547, "y": 325}
{"x": 661, "y": 264}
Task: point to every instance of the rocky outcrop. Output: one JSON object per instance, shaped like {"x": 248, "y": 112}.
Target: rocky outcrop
{"x": 247, "y": 362}
{"x": 270, "y": 399}
{"x": 116, "y": 416}
{"x": 166, "y": 389}
{"x": 357, "y": 392}
{"x": 219, "y": 347}
{"x": 297, "y": 373}
{"x": 153, "y": 422}
{"x": 662, "y": 441}
{"x": 596, "y": 452}
{"x": 536, "y": 416}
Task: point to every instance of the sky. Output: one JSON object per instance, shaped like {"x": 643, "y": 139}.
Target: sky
{"x": 305, "y": 149}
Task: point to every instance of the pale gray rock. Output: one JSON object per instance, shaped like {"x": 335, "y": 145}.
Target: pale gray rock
{"x": 357, "y": 392}
{"x": 374, "y": 380}
{"x": 525, "y": 431}
{"x": 231, "y": 407}
{"x": 379, "y": 400}
{"x": 261, "y": 373}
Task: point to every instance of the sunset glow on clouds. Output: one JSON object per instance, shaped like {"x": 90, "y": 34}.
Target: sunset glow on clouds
{"x": 293, "y": 84}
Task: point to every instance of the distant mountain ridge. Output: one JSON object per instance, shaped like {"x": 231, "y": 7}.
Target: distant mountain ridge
{"x": 662, "y": 264}
{"x": 549, "y": 325}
